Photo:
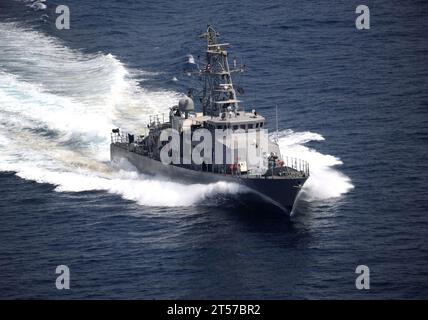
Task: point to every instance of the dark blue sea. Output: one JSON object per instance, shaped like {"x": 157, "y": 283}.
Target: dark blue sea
{"x": 353, "y": 103}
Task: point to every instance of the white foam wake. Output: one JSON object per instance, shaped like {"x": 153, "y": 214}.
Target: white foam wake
{"x": 36, "y": 5}
{"x": 57, "y": 107}
{"x": 325, "y": 181}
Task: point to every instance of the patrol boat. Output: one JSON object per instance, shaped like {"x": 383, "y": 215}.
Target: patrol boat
{"x": 274, "y": 177}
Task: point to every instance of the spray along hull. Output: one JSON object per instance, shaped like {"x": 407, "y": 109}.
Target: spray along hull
{"x": 281, "y": 192}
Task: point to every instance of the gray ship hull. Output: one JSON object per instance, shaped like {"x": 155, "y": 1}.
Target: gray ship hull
{"x": 281, "y": 192}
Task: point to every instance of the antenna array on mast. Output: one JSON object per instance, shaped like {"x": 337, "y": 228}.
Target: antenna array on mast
{"x": 218, "y": 92}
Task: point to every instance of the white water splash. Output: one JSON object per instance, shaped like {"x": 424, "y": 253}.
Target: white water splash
{"x": 57, "y": 107}
{"x": 190, "y": 59}
{"x": 325, "y": 181}
{"x": 36, "y": 5}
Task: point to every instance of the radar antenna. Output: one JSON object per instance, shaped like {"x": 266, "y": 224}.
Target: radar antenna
{"x": 218, "y": 92}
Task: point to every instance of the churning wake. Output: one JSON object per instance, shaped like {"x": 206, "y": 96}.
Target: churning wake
{"x": 58, "y": 105}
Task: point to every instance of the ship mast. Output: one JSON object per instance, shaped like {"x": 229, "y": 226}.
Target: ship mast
{"x": 218, "y": 93}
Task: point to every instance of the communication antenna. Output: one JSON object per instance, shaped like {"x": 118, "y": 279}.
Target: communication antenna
{"x": 276, "y": 117}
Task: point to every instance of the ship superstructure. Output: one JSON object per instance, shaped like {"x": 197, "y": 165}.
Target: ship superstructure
{"x": 240, "y": 150}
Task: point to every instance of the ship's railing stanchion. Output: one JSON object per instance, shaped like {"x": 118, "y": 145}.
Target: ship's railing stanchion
{"x": 296, "y": 164}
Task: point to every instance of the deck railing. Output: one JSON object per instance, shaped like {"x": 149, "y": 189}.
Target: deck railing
{"x": 122, "y": 137}
{"x": 157, "y": 119}
{"x": 297, "y": 164}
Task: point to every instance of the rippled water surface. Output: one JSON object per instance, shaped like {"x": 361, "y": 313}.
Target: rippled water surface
{"x": 351, "y": 103}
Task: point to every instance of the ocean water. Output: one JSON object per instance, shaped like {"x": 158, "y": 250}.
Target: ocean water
{"x": 351, "y": 103}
